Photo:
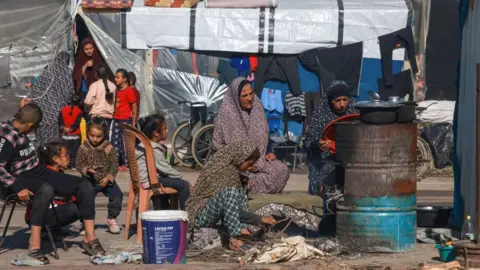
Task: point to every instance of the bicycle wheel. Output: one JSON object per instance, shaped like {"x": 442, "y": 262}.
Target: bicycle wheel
{"x": 202, "y": 147}
{"x": 424, "y": 157}
{"x": 182, "y": 146}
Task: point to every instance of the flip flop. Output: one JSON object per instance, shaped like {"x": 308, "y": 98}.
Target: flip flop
{"x": 37, "y": 254}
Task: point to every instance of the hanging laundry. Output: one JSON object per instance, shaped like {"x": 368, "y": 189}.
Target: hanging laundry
{"x": 242, "y": 65}
{"x": 253, "y": 62}
{"x": 339, "y": 63}
{"x": 295, "y": 105}
{"x": 226, "y": 73}
{"x": 273, "y": 106}
{"x": 400, "y": 39}
{"x": 282, "y": 68}
{"x": 402, "y": 85}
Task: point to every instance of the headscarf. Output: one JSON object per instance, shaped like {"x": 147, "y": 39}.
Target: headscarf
{"x": 82, "y": 58}
{"x": 233, "y": 124}
{"x": 221, "y": 172}
{"x": 338, "y": 88}
{"x": 323, "y": 114}
{"x": 52, "y": 91}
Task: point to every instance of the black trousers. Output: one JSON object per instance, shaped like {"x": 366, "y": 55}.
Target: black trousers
{"x": 66, "y": 215}
{"x": 115, "y": 198}
{"x": 73, "y": 145}
{"x": 182, "y": 187}
{"x": 44, "y": 183}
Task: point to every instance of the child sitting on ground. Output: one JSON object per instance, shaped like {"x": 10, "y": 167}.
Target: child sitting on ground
{"x": 155, "y": 128}
{"x": 97, "y": 160}
{"x": 69, "y": 122}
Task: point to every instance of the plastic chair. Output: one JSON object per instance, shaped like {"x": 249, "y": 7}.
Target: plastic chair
{"x": 130, "y": 135}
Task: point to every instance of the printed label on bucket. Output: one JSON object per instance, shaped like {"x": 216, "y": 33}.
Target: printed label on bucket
{"x": 164, "y": 242}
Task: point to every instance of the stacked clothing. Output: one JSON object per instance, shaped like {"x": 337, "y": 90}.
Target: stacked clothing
{"x": 241, "y": 3}
{"x": 115, "y": 4}
{"x": 171, "y": 3}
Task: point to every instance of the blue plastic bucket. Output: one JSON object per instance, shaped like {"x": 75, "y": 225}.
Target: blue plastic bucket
{"x": 447, "y": 253}
{"x": 164, "y": 237}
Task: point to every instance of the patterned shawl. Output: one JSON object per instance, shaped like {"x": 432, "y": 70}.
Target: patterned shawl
{"x": 221, "y": 172}
{"x": 322, "y": 116}
{"x": 52, "y": 91}
{"x": 232, "y": 124}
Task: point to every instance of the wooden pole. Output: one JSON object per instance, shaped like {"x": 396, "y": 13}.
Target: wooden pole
{"x": 477, "y": 219}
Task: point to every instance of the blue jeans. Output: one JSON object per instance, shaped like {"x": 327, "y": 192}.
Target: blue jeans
{"x": 115, "y": 198}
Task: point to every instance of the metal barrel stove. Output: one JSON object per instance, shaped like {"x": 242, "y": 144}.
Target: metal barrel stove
{"x": 379, "y": 209}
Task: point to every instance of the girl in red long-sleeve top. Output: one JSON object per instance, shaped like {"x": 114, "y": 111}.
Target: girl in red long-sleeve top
{"x": 69, "y": 122}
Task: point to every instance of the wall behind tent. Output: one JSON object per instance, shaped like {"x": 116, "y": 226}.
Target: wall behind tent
{"x": 26, "y": 24}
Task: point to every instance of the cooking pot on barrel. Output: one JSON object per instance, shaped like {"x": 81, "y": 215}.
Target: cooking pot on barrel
{"x": 377, "y": 111}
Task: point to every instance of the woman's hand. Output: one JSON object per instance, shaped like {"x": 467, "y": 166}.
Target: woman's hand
{"x": 270, "y": 157}
{"x": 253, "y": 169}
{"x": 245, "y": 232}
{"x": 91, "y": 171}
{"x": 89, "y": 63}
{"x": 325, "y": 144}
{"x": 249, "y": 184}
{"x": 268, "y": 220}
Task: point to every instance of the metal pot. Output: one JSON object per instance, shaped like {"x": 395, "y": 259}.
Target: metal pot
{"x": 378, "y": 112}
{"x": 433, "y": 216}
{"x": 407, "y": 113}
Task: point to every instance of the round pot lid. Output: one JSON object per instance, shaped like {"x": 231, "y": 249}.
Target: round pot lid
{"x": 377, "y": 104}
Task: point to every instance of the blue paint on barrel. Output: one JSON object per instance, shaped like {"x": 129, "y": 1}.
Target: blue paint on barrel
{"x": 378, "y": 213}
{"x": 377, "y": 229}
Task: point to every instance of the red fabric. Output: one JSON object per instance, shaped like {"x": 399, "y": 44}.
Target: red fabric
{"x": 81, "y": 60}
{"x": 69, "y": 116}
{"x": 329, "y": 131}
{"x": 115, "y": 4}
{"x": 137, "y": 98}
{"x": 253, "y": 62}
{"x": 125, "y": 99}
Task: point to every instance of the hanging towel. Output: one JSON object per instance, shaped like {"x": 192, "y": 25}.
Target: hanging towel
{"x": 241, "y": 3}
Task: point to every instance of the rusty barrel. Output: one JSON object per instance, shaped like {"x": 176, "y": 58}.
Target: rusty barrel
{"x": 379, "y": 209}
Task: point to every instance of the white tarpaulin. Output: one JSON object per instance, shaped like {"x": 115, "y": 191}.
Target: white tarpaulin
{"x": 295, "y": 26}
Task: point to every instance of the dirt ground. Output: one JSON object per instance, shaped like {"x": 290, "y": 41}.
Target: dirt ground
{"x": 431, "y": 190}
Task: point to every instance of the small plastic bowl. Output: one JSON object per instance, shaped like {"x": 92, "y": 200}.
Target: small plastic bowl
{"x": 447, "y": 253}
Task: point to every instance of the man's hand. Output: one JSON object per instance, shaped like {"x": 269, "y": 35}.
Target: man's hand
{"x": 24, "y": 195}
{"x": 325, "y": 144}
{"x": 270, "y": 157}
{"x": 268, "y": 220}
{"x": 104, "y": 182}
{"x": 245, "y": 232}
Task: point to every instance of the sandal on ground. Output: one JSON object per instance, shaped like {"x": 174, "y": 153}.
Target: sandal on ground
{"x": 93, "y": 247}
{"x": 38, "y": 255}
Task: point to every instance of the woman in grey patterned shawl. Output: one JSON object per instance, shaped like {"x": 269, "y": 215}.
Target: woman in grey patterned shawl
{"x": 241, "y": 117}
{"x": 52, "y": 91}
{"x": 338, "y": 103}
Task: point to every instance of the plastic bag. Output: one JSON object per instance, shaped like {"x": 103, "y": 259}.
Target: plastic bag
{"x": 440, "y": 138}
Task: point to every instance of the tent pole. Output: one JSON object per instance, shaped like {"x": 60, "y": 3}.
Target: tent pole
{"x": 477, "y": 156}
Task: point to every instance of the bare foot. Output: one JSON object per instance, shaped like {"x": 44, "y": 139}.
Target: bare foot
{"x": 235, "y": 244}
